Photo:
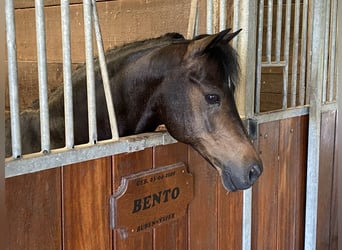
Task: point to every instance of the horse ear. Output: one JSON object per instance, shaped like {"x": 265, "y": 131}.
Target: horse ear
{"x": 229, "y": 36}
{"x": 201, "y": 45}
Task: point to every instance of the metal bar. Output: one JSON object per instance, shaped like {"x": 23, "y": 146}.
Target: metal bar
{"x": 295, "y": 54}
{"x": 326, "y": 52}
{"x": 269, "y": 30}
{"x": 303, "y": 54}
{"x": 42, "y": 77}
{"x": 274, "y": 64}
{"x": 104, "y": 73}
{"x": 282, "y": 114}
{"x": 223, "y": 14}
{"x": 278, "y": 30}
{"x": 87, "y": 13}
{"x": 259, "y": 57}
{"x": 68, "y": 104}
{"x": 60, "y": 157}
{"x": 13, "y": 79}
{"x": 332, "y": 51}
{"x": 210, "y": 12}
{"x": 192, "y": 19}
{"x": 236, "y": 21}
{"x": 317, "y": 30}
{"x": 286, "y": 52}
{"x": 247, "y": 18}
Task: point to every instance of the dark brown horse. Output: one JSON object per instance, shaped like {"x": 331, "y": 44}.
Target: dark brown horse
{"x": 188, "y": 85}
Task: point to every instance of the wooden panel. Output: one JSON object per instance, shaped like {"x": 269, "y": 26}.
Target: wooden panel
{"x": 121, "y": 22}
{"x": 326, "y": 171}
{"x": 125, "y": 164}
{"x": 172, "y": 235}
{"x": 291, "y": 184}
{"x": 86, "y": 190}
{"x": 203, "y": 231}
{"x": 34, "y": 211}
{"x": 264, "y": 213}
{"x": 229, "y": 219}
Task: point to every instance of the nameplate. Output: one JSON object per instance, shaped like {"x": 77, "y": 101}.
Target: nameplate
{"x": 148, "y": 199}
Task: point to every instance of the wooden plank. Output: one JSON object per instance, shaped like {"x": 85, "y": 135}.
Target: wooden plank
{"x": 86, "y": 191}
{"x": 125, "y": 164}
{"x": 34, "y": 211}
{"x": 120, "y": 21}
{"x": 203, "y": 214}
{"x": 172, "y": 235}
{"x": 291, "y": 184}
{"x": 326, "y": 170}
{"x": 229, "y": 219}
{"x": 264, "y": 207}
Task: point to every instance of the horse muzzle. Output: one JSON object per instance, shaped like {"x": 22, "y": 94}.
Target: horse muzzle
{"x": 242, "y": 178}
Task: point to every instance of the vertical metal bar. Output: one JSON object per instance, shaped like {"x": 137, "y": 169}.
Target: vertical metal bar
{"x": 68, "y": 105}
{"x": 317, "y": 30}
{"x": 326, "y": 52}
{"x": 223, "y": 14}
{"x": 236, "y": 21}
{"x": 104, "y": 73}
{"x": 278, "y": 30}
{"x": 42, "y": 77}
{"x": 259, "y": 57}
{"x": 332, "y": 51}
{"x": 269, "y": 31}
{"x": 303, "y": 53}
{"x": 13, "y": 78}
{"x": 246, "y": 50}
{"x": 295, "y": 54}
{"x": 210, "y": 12}
{"x": 192, "y": 19}
{"x": 286, "y": 52}
{"x": 87, "y": 13}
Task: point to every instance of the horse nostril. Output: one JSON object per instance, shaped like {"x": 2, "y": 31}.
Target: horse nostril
{"x": 254, "y": 172}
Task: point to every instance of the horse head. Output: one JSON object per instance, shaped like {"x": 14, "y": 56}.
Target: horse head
{"x": 200, "y": 109}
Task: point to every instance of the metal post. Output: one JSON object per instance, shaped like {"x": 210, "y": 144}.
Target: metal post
{"x": 295, "y": 54}
{"x": 68, "y": 104}
{"x": 286, "y": 52}
{"x": 210, "y": 11}
{"x": 317, "y": 32}
{"x": 278, "y": 30}
{"x": 269, "y": 31}
{"x": 303, "y": 54}
{"x": 42, "y": 77}
{"x": 87, "y": 13}
{"x": 246, "y": 50}
{"x": 13, "y": 78}
{"x": 223, "y": 14}
{"x": 259, "y": 56}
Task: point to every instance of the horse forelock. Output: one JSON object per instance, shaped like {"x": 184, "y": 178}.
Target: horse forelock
{"x": 227, "y": 59}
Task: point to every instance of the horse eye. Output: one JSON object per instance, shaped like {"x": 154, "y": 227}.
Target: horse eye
{"x": 212, "y": 99}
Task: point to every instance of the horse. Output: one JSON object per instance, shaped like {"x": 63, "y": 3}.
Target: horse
{"x": 188, "y": 85}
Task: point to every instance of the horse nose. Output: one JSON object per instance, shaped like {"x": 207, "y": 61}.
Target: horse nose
{"x": 254, "y": 172}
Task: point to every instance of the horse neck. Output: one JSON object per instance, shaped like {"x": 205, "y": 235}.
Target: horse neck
{"x": 142, "y": 79}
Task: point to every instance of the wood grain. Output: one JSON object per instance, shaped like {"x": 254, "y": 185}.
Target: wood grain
{"x": 203, "y": 214}
{"x": 86, "y": 191}
{"x": 125, "y": 164}
{"x": 34, "y": 211}
{"x": 264, "y": 213}
{"x": 326, "y": 181}
{"x": 172, "y": 235}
